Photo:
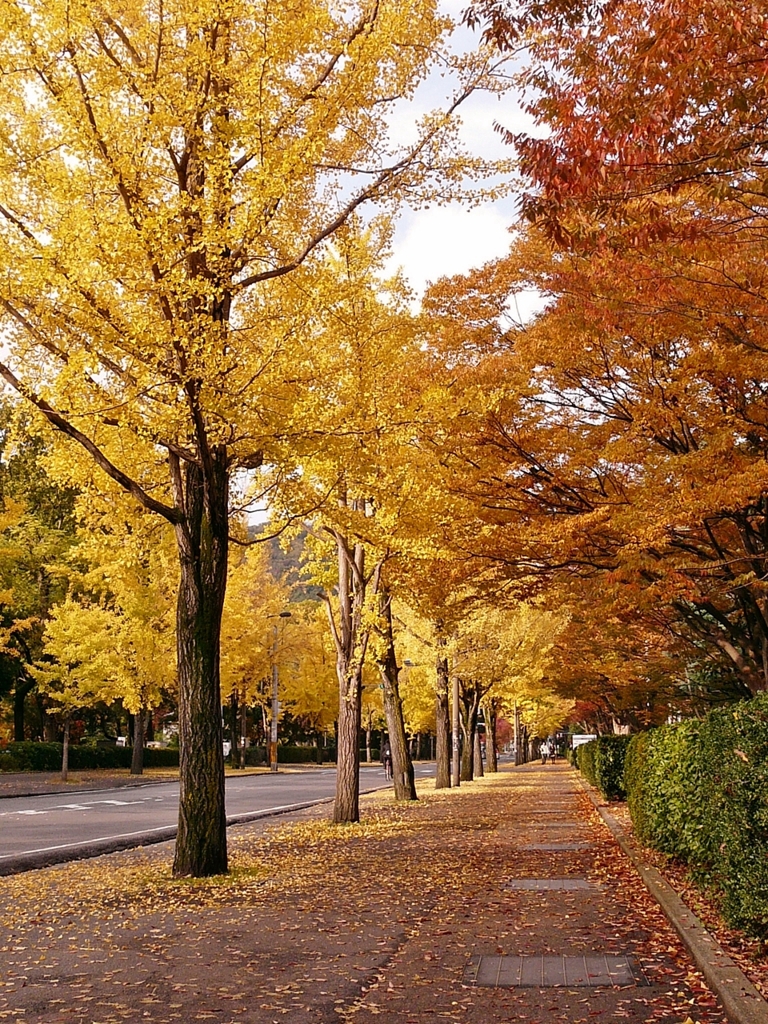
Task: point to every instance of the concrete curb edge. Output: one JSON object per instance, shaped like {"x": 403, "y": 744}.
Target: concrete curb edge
{"x": 740, "y": 999}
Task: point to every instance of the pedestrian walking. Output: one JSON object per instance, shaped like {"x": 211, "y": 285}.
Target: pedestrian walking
{"x": 386, "y": 760}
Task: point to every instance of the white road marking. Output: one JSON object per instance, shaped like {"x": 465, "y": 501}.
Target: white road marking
{"x": 80, "y": 807}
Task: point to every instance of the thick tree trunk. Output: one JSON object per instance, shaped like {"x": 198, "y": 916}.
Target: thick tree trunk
{"x": 201, "y": 845}
{"x": 346, "y": 807}
{"x": 491, "y": 754}
{"x": 137, "y": 754}
{"x": 22, "y": 688}
{"x": 478, "y": 756}
{"x": 402, "y": 764}
{"x": 350, "y": 636}
{"x": 65, "y": 751}
{"x": 442, "y": 723}
{"x": 470, "y": 705}
{"x": 518, "y": 737}
{"x": 403, "y": 778}
{"x": 467, "y": 754}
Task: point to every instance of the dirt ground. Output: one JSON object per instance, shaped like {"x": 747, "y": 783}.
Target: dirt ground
{"x": 319, "y": 923}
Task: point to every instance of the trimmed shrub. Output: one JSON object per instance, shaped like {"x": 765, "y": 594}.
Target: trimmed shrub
{"x": 158, "y": 757}
{"x": 601, "y": 762}
{"x": 33, "y": 757}
{"x": 698, "y": 791}
{"x": 299, "y": 755}
{"x": 8, "y": 762}
{"x": 97, "y": 757}
{"x": 666, "y": 780}
{"x": 609, "y": 766}
{"x": 585, "y": 761}
{"x": 635, "y": 770}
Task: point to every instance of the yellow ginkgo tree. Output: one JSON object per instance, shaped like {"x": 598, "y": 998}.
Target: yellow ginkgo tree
{"x": 82, "y": 665}
{"x": 171, "y": 176}
{"x": 127, "y": 561}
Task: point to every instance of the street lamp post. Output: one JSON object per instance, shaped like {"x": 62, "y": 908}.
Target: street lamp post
{"x": 456, "y": 734}
{"x": 275, "y": 698}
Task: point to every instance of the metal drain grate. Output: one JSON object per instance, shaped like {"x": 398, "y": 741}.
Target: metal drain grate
{"x": 552, "y": 972}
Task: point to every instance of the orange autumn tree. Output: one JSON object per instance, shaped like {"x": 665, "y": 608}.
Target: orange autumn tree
{"x": 638, "y": 98}
{"x": 621, "y": 434}
{"x": 169, "y": 175}
{"x": 631, "y": 424}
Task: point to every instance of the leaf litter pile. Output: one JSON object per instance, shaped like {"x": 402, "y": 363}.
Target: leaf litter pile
{"x": 318, "y": 922}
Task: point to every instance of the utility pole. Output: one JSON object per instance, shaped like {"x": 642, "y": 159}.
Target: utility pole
{"x": 243, "y": 730}
{"x": 456, "y": 735}
{"x": 275, "y": 697}
{"x": 518, "y": 759}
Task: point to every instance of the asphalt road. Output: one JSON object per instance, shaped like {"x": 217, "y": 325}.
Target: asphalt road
{"x": 55, "y": 826}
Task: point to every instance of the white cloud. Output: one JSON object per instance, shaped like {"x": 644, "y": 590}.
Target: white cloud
{"x": 447, "y": 240}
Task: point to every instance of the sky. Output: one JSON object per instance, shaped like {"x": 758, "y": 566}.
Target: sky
{"x": 451, "y": 239}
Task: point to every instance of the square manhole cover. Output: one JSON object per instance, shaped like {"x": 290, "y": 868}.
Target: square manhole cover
{"x": 552, "y": 972}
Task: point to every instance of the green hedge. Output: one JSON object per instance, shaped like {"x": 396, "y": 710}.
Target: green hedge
{"x": 46, "y": 757}
{"x": 31, "y": 757}
{"x": 160, "y": 757}
{"x": 698, "y": 791}
{"x": 601, "y": 762}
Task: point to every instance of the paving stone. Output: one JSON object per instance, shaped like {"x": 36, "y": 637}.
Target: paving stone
{"x": 594, "y": 971}
{"x": 551, "y": 810}
{"x": 532, "y": 971}
{"x": 558, "y": 824}
{"x": 550, "y": 884}
{"x": 556, "y": 846}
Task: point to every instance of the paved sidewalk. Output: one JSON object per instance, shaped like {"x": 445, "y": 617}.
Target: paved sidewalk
{"x": 425, "y": 913}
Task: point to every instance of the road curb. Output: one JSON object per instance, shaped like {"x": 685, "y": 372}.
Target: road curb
{"x": 740, "y": 999}
{"x": 85, "y": 851}
{"x": 28, "y": 794}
